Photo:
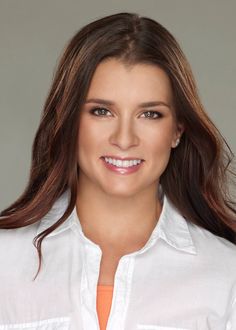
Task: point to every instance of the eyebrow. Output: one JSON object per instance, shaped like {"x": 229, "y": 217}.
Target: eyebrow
{"x": 144, "y": 104}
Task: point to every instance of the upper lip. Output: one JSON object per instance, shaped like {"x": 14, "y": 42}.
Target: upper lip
{"x": 121, "y": 158}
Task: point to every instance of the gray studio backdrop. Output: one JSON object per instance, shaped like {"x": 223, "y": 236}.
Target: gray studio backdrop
{"x": 33, "y": 34}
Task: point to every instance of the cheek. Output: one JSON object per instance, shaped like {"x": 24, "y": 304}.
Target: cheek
{"x": 90, "y": 137}
{"x": 161, "y": 151}
{"x": 83, "y": 141}
{"x": 159, "y": 140}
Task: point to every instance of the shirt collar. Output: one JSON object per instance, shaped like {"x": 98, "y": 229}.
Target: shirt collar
{"x": 174, "y": 228}
{"x": 171, "y": 226}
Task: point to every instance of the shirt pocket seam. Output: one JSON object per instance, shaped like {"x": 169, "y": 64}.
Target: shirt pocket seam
{"x": 156, "y": 327}
{"x": 25, "y": 325}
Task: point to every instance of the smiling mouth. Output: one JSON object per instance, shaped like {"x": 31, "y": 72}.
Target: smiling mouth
{"x": 126, "y": 163}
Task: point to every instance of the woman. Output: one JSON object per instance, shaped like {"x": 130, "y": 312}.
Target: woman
{"x": 127, "y": 200}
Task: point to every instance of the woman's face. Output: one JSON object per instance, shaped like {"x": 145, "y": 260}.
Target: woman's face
{"x": 118, "y": 124}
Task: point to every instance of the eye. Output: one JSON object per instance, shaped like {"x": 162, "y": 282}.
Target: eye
{"x": 153, "y": 114}
{"x": 103, "y": 112}
{"x": 100, "y": 112}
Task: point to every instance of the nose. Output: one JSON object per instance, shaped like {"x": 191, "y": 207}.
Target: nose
{"x": 124, "y": 134}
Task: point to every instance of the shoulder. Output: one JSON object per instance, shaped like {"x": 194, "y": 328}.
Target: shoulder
{"x": 18, "y": 256}
{"x": 18, "y": 233}
{"x": 204, "y": 236}
{"x": 214, "y": 249}
{"x": 17, "y": 241}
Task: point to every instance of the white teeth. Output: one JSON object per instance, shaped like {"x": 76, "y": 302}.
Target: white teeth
{"x": 122, "y": 163}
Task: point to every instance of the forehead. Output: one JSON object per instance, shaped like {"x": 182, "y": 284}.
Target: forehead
{"x": 115, "y": 79}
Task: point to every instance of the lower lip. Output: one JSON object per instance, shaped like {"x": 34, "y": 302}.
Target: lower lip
{"x": 122, "y": 170}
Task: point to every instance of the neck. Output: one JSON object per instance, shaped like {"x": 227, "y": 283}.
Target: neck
{"x": 116, "y": 221}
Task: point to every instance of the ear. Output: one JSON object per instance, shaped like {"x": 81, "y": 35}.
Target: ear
{"x": 177, "y": 135}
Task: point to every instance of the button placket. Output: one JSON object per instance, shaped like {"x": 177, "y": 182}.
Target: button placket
{"x": 121, "y": 292}
{"x": 91, "y": 265}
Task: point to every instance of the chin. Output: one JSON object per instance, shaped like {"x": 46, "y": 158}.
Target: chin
{"x": 122, "y": 192}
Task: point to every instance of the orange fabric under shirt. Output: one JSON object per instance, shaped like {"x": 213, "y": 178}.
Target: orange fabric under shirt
{"x": 104, "y": 300}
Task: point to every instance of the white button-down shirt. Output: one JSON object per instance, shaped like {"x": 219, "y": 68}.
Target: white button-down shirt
{"x": 183, "y": 278}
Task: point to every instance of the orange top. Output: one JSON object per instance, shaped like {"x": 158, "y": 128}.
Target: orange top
{"x": 104, "y": 300}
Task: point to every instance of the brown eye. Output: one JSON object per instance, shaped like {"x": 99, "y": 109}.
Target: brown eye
{"x": 100, "y": 112}
{"x": 153, "y": 114}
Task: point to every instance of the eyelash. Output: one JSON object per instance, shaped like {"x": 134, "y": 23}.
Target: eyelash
{"x": 92, "y": 111}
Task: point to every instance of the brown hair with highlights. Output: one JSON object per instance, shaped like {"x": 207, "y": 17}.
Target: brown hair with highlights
{"x": 196, "y": 179}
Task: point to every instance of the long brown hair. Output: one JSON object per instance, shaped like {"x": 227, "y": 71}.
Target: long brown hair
{"x": 196, "y": 178}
